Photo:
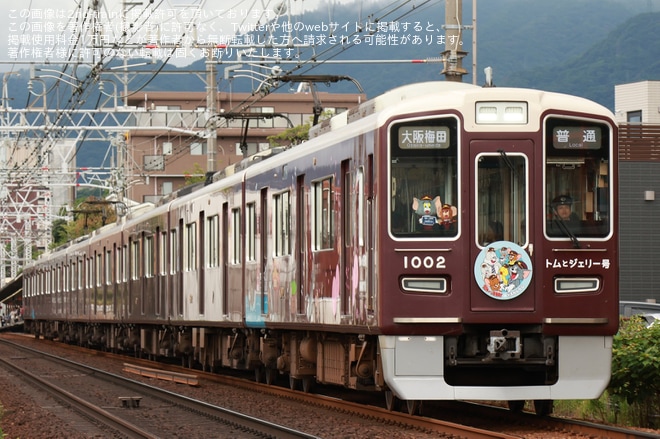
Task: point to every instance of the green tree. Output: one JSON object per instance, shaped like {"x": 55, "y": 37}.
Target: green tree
{"x": 296, "y": 135}
{"x": 291, "y": 136}
{"x": 197, "y": 175}
{"x": 89, "y": 215}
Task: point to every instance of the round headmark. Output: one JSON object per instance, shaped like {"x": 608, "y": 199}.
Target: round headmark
{"x": 503, "y": 270}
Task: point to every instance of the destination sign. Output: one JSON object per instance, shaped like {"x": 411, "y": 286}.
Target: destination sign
{"x": 423, "y": 137}
{"x": 571, "y": 137}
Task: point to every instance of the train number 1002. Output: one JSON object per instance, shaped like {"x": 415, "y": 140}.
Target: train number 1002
{"x": 429, "y": 262}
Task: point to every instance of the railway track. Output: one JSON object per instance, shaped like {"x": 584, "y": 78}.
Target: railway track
{"x": 126, "y": 408}
{"x": 439, "y": 419}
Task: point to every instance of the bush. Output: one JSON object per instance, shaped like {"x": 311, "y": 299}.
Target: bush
{"x": 635, "y": 384}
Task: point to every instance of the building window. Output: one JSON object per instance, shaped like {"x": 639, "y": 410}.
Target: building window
{"x": 167, "y": 148}
{"x": 166, "y": 188}
{"x": 252, "y": 148}
{"x": 266, "y": 122}
{"x": 198, "y": 148}
{"x": 634, "y": 116}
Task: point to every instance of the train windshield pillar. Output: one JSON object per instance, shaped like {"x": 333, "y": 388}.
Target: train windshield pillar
{"x": 424, "y": 178}
{"x": 577, "y": 178}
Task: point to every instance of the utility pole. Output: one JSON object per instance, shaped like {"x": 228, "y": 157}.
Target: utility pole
{"x": 453, "y": 55}
{"x": 211, "y": 111}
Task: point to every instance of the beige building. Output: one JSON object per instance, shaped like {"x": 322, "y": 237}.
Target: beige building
{"x": 637, "y": 102}
{"x": 171, "y": 143}
{"x": 637, "y": 108}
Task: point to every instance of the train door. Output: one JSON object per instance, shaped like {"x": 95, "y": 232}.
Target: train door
{"x": 346, "y": 245}
{"x": 201, "y": 263}
{"x": 500, "y": 180}
{"x": 301, "y": 245}
{"x": 225, "y": 259}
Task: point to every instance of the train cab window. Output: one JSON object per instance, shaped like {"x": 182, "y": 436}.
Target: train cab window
{"x": 424, "y": 178}
{"x": 577, "y": 173}
{"x": 501, "y": 198}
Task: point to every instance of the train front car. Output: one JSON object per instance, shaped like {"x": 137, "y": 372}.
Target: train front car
{"x": 498, "y": 259}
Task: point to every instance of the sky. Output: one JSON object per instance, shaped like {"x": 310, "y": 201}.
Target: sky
{"x": 36, "y": 30}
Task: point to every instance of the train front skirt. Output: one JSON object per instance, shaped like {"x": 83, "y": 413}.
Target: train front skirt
{"x": 413, "y": 368}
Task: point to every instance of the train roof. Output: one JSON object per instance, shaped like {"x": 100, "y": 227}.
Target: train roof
{"x": 458, "y": 95}
{"x": 368, "y": 115}
{"x": 387, "y": 100}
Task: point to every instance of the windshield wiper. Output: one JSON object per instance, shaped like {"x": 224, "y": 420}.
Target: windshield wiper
{"x": 564, "y": 228}
{"x": 508, "y": 162}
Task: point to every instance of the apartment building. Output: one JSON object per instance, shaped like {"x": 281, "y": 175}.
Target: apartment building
{"x": 171, "y": 144}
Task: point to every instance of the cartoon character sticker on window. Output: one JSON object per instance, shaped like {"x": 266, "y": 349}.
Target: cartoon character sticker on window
{"x": 433, "y": 214}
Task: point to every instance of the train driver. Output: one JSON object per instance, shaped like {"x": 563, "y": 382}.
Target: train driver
{"x": 562, "y": 210}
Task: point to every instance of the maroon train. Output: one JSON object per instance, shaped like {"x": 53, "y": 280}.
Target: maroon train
{"x": 414, "y": 245}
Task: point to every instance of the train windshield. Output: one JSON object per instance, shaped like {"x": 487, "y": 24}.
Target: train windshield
{"x": 501, "y": 197}
{"x": 424, "y": 178}
{"x": 577, "y": 174}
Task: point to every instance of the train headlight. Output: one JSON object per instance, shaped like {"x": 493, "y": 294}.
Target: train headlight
{"x": 436, "y": 285}
{"x": 501, "y": 113}
{"x": 577, "y": 284}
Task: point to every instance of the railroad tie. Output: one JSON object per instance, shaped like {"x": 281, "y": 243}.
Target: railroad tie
{"x": 130, "y": 401}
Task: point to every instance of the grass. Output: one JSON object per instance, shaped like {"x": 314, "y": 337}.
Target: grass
{"x": 608, "y": 410}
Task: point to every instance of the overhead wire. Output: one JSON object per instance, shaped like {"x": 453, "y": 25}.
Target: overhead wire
{"x": 315, "y": 61}
{"x": 338, "y": 48}
{"x": 45, "y": 142}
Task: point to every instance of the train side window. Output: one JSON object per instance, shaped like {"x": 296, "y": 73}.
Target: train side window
{"x": 135, "y": 260}
{"x": 98, "y": 270}
{"x": 124, "y": 264}
{"x": 322, "y": 214}
{"x": 118, "y": 265}
{"x": 282, "y": 219}
{"x": 148, "y": 256}
{"x": 424, "y": 178}
{"x": 250, "y": 231}
{"x": 162, "y": 254}
{"x": 236, "y": 236}
{"x": 577, "y": 173}
{"x": 190, "y": 251}
{"x": 212, "y": 231}
{"x": 174, "y": 252}
{"x": 108, "y": 267}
